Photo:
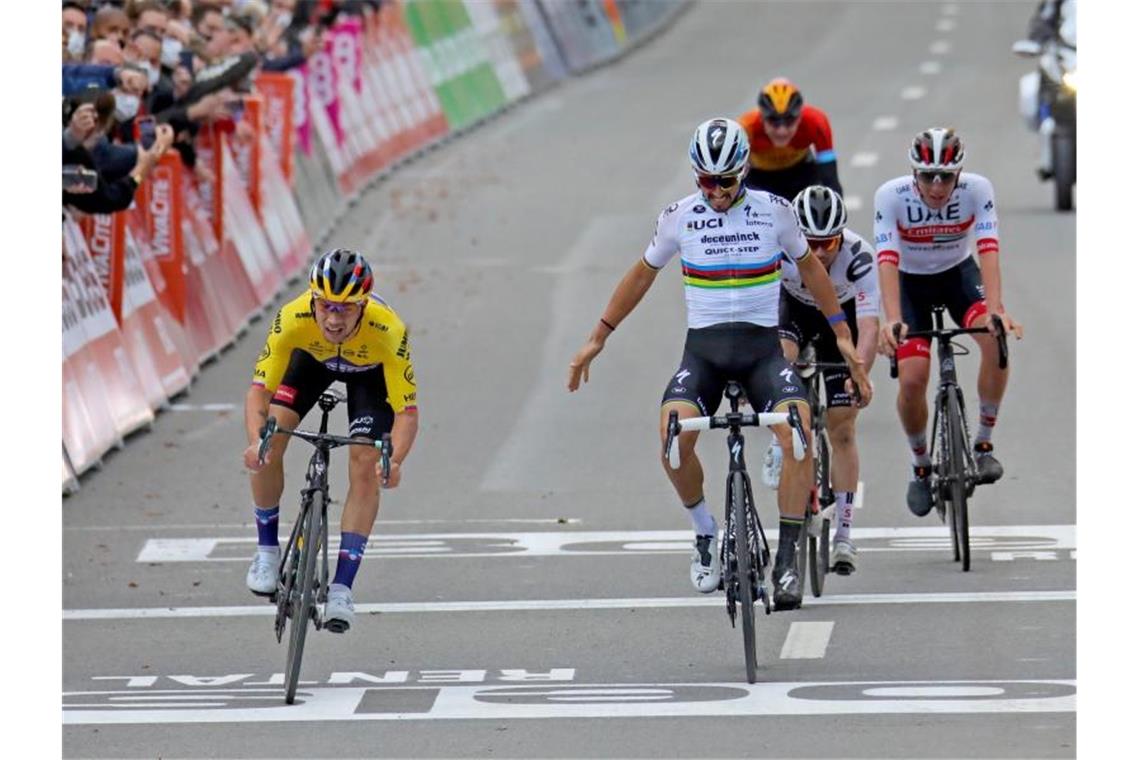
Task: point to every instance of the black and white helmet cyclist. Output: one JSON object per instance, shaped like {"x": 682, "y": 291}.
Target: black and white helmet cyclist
{"x": 820, "y": 212}
{"x": 719, "y": 147}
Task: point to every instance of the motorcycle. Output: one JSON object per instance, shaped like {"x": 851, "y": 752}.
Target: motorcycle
{"x": 1049, "y": 105}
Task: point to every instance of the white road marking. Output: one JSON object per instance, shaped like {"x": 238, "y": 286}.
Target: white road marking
{"x": 577, "y": 543}
{"x": 885, "y": 123}
{"x": 912, "y": 93}
{"x": 334, "y": 524}
{"x": 853, "y": 202}
{"x": 202, "y": 407}
{"x": 807, "y": 641}
{"x": 864, "y": 159}
{"x": 502, "y": 702}
{"x": 940, "y": 47}
{"x": 930, "y": 67}
{"x": 946, "y": 25}
{"x": 570, "y": 605}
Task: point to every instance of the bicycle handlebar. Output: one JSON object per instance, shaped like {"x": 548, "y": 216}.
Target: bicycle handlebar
{"x": 1003, "y": 346}
{"x": 332, "y": 441}
{"x": 738, "y": 419}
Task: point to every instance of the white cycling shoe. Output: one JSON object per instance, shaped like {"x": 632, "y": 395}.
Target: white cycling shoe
{"x": 340, "y": 613}
{"x": 704, "y": 571}
{"x": 261, "y": 578}
{"x": 773, "y": 462}
{"x": 843, "y": 555}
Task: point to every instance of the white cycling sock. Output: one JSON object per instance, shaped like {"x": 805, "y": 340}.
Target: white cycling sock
{"x": 844, "y": 514}
{"x": 703, "y": 522}
{"x": 919, "y": 456}
{"x": 987, "y": 418}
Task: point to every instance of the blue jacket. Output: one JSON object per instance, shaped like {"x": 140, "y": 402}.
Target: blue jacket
{"x": 76, "y": 76}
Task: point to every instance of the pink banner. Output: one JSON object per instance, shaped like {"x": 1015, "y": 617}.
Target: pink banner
{"x": 348, "y": 49}
{"x": 301, "y": 121}
{"x": 322, "y": 86}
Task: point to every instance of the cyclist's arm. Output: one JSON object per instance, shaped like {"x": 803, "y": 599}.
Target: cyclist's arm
{"x": 404, "y": 430}
{"x": 256, "y": 411}
{"x": 626, "y": 296}
{"x": 887, "y": 250}
{"x": 986, "y": 236}
{"x": 827, "y": 161}
{"x": 818, "y": 283}
{"x": 868, "y": 340}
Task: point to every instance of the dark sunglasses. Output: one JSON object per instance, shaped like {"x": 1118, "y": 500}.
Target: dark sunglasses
{"x": 713, "y": 181}
{"x": 828, "y": 244}
{"x": 930, "y": 177}
{"x": 786, "y": 120}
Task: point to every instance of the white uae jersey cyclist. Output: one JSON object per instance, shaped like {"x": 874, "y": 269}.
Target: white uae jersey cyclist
{"x": 853, "y": 273}
{"x": 922, "y": 240}
{"x": 730, "y": 262}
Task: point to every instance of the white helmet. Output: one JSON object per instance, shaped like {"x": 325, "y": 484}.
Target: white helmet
{"x": 937, "y": 149}
{"x": 719, "y": 146}
{"x": 820, "y": 211}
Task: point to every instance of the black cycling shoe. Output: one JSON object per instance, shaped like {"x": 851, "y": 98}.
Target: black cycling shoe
{"x": 788, "y": 591}
{"x": 919, "y": 495}
{"x": 989, "y": 468}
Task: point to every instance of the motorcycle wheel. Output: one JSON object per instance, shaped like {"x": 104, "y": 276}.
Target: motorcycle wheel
{"x": 1064, "y": 170}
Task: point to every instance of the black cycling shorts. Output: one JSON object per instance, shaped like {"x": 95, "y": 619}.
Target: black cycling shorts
{"x": 959, "y": 289}
{"x": 305, "y": 379}
{"x": 803, "y": 324}
{"x": 740, "y": 351}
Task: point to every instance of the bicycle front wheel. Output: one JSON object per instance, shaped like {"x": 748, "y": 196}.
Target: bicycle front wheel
{"x": 745, "y": 590}
{"x": 960, "y": 529}
{"x": 302, "y": 598}
{"x": 819, "y": 546}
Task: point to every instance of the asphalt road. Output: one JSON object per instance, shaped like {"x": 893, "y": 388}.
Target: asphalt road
{"x": 525, "y": 592}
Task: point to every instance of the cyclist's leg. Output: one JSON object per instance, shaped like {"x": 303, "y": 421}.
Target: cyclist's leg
{"x": 693, "y": 391}
{"x": 915, "y": 293}
{"x": 841, "y": 413}
{"x": 369, "y": 417}
{"x": 969, "y": 309}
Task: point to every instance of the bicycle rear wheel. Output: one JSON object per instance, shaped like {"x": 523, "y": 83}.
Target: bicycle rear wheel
{"x": 745, "y": 590}
{"x": 960, "y": 525}
{"x": 302, "y": 597}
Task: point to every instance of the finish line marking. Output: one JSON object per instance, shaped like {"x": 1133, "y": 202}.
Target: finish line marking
{"x": 573, "y": 543}
{"x": 572, "y": 605}
{"x": 260, "y": 705}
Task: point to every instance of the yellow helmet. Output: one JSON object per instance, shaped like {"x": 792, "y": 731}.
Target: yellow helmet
{"x": 780, "y": 100}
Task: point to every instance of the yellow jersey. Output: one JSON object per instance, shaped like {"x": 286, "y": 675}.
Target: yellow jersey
{"x": 381, "y": 340}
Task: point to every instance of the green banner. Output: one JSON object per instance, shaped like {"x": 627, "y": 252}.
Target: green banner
{"x": 456, "y": 60}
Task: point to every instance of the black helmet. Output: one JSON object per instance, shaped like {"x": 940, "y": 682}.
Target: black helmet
{"x": 341, "y": 275}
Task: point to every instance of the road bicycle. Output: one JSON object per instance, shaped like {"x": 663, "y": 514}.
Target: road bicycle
{"x": 955, "y": 472}
{"x": 744, "y": 552}
{"x": 299, "y": 587}
{"x": 815, "y": 536}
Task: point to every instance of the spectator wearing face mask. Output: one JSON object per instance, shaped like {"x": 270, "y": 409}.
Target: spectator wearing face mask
{"x": 74, "y": 31}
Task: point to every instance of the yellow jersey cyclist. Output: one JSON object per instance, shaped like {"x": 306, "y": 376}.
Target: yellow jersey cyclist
{"x": 731, "y": 243}
{"x": 337, "y": 330}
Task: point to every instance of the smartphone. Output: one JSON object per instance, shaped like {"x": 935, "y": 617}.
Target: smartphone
{"x": 144, "y": 131}
{"x": 73, "y": 174}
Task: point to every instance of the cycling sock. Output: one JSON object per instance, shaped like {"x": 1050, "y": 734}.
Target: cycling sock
{"x": 266, "y": 528}
{"x": 703, "y": 522}
{"x": 919, "y": 456}
{"x": 348, "y": 560}
{"x": 844, "y": 514}
{"x": 987, "y": 418}
{"x": 789, "y": 535}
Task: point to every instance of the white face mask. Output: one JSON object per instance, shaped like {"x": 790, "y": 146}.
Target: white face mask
{"x": 151, "y": 72}
{"x": 76, "y": 41}
{"x": 126, "y": 106}
{"x": 171, "y": 50}
{"x": 284, "y": 19}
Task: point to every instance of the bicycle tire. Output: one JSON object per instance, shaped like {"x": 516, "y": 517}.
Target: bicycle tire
{"x": 961, "y": 522}
{"x": 819, "y": 548}
{"x": 944, "y": 470}
{"x": 745, "y": 591}
{"x": 304, "y": 599}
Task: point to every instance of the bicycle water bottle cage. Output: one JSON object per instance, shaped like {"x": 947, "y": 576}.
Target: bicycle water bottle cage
{"x": 330, "y": 399}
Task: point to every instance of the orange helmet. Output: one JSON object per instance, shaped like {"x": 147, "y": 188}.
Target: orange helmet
{"x": 780, "y": 100}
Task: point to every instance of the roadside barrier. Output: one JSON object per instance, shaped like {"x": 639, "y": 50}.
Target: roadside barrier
{"x": 152, "y": 293}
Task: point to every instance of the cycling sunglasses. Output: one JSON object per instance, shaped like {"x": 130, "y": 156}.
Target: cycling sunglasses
{"x": 786, "y": 120}
{"x": 335, "y": 307}
{"x": 828, "y": 244}
{"x": 929, "y": 177}
{"x": 713, "y": 181}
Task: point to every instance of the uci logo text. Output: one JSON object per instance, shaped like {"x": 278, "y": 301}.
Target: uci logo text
{"x": 703, "y": 224}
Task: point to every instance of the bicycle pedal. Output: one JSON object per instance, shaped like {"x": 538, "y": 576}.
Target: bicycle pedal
{"x": 842, "y": 568}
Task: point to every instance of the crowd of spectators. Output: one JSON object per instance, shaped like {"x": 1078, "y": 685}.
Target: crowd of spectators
{"x": 141, "y": 77}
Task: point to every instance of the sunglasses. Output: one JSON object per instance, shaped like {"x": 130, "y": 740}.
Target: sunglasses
{"x": 713, "y": 181}
{"x": 929, "y": 177}
{"x": 828, "y": 244}
{"x": 333, "y": 307}
{"x": 786, "y": 120}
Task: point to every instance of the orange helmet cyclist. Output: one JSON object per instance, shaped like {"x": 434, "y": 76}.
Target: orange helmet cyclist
{"x": 790, "y": 143}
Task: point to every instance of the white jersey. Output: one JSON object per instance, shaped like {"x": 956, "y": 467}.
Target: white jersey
{"x": 922, "y": 240}
{"x": 730, "y": 262}
{"x": 853, "y": 273}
